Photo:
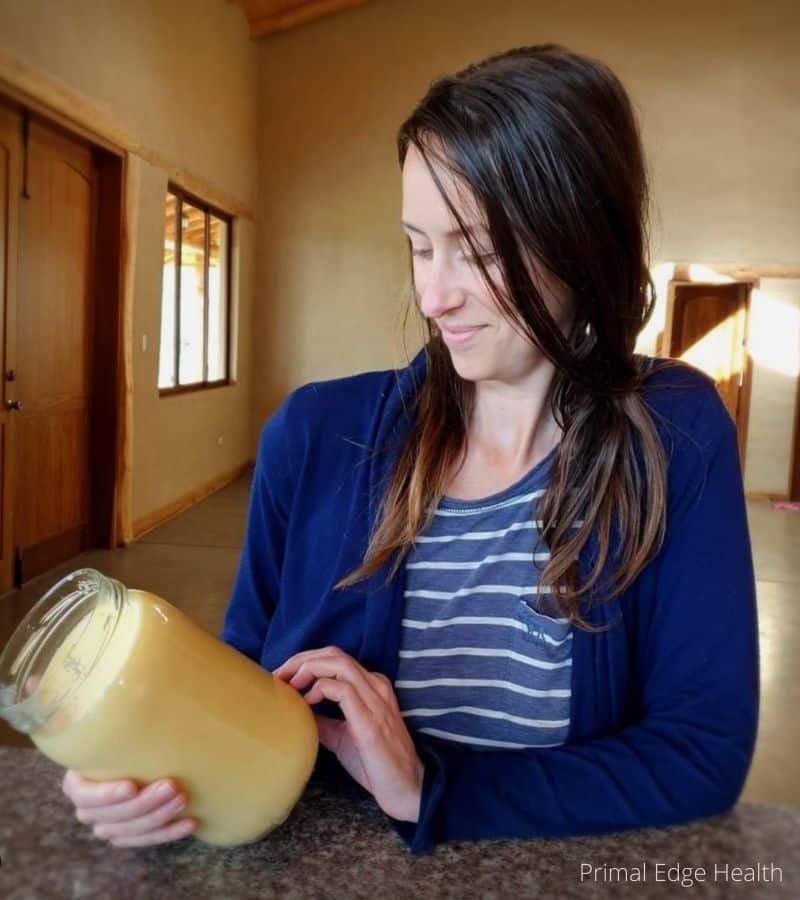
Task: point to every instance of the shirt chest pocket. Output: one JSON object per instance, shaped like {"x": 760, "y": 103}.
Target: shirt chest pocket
{"x": 537, "y": 701}
{"x": 551, "y": 636}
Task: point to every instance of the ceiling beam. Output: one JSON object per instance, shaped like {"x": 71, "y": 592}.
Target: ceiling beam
{"x": 292, "y": 16}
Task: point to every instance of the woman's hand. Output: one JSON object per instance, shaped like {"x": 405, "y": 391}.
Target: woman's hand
{"x": 372, "y": 742}
{"x": 126, "y": 816}
{"x": 121, "y": 813}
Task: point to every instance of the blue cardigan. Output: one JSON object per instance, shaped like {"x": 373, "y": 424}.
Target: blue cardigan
{"x": 664, "y": 704}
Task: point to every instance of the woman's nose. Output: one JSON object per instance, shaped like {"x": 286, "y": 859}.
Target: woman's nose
{"x": 440, "y": 293}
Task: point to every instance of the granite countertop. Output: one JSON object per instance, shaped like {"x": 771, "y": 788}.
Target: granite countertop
{"x": 337, "y": 843}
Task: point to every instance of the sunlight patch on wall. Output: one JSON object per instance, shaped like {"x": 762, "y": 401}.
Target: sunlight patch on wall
{"x": 712, "y": 353}
{"x": 661, "y": 273}
{"x": 774, "y": 341}
{"x": 699, "y": 272}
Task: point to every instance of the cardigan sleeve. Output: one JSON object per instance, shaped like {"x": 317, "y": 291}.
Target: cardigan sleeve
{"x": 688, "y": 750}
{"x": 257, "y": 583}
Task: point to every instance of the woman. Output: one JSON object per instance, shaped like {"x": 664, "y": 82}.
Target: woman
{"x": 514, "y": 578}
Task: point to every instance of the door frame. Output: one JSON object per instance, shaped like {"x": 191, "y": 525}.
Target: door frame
{"x": 8, "y": 272}
{"x": 110, "y": 401}
{"x": 794, "y": 475}
{"x": 746, "y": 288}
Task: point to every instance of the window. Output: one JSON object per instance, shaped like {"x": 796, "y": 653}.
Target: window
{"x": 195, "y": 295}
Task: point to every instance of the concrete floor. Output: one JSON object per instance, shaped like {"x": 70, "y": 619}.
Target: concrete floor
{"x": 191, "y": 561}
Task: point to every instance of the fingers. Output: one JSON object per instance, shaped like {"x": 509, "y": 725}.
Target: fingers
{"x": 153, "y": 799}
{"x": 142, "y": 821}
{"x": 173, "y": 832}
{"x": 86, "y": 793}
{"x": 384, "y": 686}
{"x": 137, "y": 818}
{"x": 303, "y": 668}
{"x": 365, "y": 722}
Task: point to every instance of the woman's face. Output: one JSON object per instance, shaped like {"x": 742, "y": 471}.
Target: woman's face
{"x": 451, "y": 290}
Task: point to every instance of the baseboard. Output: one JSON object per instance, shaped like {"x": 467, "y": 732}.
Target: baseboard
{"x": 762, "y": 495}
{"x": 160, "y": 516}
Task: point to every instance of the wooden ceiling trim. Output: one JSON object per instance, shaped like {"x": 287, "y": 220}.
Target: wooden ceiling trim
{"x": 284, "y": 15}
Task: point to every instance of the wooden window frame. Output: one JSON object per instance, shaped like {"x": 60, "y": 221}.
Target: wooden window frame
{"x": 181, "y": 196}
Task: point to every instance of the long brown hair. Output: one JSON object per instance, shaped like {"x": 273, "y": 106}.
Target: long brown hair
{"x": 547, "y": 142}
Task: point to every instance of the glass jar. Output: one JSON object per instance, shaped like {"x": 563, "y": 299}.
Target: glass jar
{"x": 127, "y": 686}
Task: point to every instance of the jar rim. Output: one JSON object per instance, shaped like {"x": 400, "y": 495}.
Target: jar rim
{"x": 56, "y": 610}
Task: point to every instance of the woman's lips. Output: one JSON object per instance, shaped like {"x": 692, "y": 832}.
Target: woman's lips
{"x": 458, "y": 338}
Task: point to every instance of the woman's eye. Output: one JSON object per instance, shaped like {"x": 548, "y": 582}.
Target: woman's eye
{"x": 486, "y": 257}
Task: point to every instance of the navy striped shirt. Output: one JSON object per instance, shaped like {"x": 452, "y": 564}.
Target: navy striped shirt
{"x": 484, "y": 658}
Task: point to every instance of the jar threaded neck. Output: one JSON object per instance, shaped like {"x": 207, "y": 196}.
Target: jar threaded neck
{"x": 65, "y": 610}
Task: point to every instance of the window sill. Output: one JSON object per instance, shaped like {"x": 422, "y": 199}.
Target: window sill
{"x": 194, "y": 388}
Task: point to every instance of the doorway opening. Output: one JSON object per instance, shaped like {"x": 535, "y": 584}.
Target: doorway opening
{"x": 60, "y": 421}
{"x": 707, "y": 325}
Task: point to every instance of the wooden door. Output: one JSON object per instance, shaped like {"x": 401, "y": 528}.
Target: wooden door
{"x": 709, "y": 330}
{"x": 54, "y": 350}
{"x": 10, "y": 179}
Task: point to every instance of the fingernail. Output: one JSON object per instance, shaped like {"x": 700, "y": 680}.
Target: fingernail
{"x": 122, "y": 791}
{"x": 164, "y": 790}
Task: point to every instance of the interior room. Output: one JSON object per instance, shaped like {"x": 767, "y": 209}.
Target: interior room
{"x": 200, "y": 213}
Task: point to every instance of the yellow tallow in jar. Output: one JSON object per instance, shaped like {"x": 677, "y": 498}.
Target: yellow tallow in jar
{"x": 129, "y": 687}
